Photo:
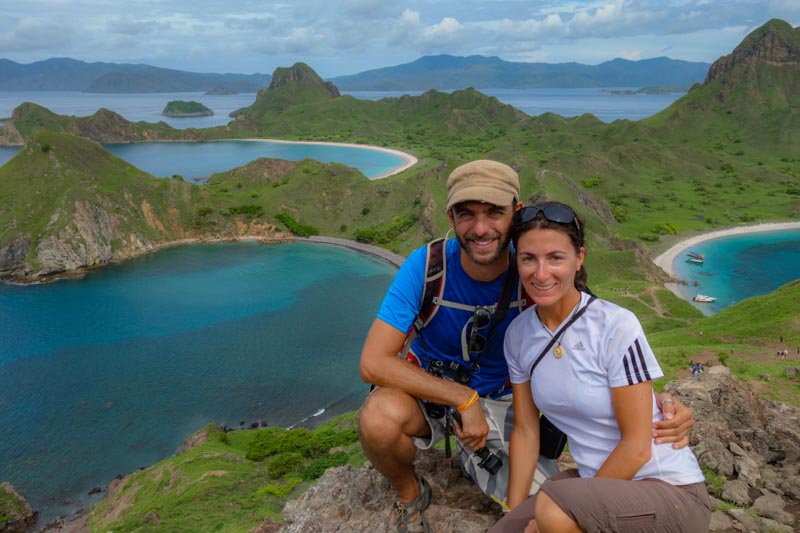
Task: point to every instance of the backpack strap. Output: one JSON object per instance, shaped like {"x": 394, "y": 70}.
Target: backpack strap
{"x": 435, "y": 274}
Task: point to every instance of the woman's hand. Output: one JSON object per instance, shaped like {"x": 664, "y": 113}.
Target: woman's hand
{"x": 678, "y": 420}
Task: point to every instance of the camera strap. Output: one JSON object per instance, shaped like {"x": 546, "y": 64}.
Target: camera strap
{"x": 510, "y": 285}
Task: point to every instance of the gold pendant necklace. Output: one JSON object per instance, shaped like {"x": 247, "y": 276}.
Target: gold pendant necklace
{"x": 558, "y": 351}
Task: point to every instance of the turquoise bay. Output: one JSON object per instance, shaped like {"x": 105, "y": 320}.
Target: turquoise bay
{"x": 739, "y": 266}
{"x": 107, "y": 374}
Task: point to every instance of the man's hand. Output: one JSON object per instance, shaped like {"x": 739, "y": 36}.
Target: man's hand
{"x": 678, "y": 420}
{"x": 473, "y": 429}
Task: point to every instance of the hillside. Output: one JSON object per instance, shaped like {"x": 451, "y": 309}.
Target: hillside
{"x": 64, "y": 74}
{"x": 704, "y": 163}
{"x": 454, "y": 72}
{"x": 723, "y": 155}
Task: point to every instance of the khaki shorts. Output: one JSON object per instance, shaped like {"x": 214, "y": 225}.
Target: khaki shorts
{"x": 500, "y": 417}
{"x": 625, "y": 506}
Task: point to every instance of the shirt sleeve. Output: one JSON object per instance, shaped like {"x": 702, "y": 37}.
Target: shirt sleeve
{"x": 401, "y": 303}
{"x": 629, "y": 358}
{"x": 512, "y": 349}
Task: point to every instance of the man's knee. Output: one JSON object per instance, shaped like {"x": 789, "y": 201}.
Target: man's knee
{"x": 387, "y": 413}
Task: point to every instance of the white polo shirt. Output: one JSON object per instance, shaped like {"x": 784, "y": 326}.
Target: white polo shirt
{"x": 603, "y": 349}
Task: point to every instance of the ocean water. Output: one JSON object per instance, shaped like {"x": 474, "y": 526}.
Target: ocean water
{"x": 200, "y": 160}
{"x": 148, "y": 106}
{"x": 739, "y": 267}
{"x": 106, "y": 374}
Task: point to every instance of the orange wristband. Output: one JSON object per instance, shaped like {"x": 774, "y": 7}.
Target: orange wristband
{"x": 466, "y": 405}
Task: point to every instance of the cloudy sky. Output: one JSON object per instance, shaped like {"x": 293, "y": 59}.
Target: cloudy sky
{"x": 339, "y": 37}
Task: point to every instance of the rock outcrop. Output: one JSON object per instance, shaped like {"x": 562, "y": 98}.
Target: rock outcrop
{"x": 774, "y": 43}
{"x": 752, "y": 445}
{"x": 15, "y": 512}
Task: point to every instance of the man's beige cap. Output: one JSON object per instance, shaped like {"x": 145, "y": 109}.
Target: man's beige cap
{"x": 482, "y": 181}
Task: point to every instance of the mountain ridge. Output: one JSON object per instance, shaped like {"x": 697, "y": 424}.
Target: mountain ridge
{"x": 427, "y": 72}
{"x": 482, "y": 72}
{"x": 67, "y": 74}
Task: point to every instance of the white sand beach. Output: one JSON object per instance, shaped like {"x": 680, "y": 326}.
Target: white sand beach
{"x": 666, "y": 259}
{"x": 409, "y": 160}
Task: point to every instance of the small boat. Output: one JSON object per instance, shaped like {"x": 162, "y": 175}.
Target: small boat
{"x": 703, "y": 298}
{"x": 694, "y": 261}
{"x": 695, "y": 255}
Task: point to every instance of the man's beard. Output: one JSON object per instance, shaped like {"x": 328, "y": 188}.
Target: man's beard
{"x": 505, "y": 239}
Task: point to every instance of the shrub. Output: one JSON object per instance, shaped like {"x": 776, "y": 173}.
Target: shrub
{"x": 280, "y": 489}
{"x": 318, "y": 467}
{"x": 666, "y": 228}
{"x": 284, "y": 463}
{"x": 251, "y": 210}
{"x": 592, "y": 182}
{"x": 265, "y": 444}
{"x": 301, "y": 230}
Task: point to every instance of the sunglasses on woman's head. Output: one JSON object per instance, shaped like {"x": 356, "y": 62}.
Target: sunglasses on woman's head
{"x": 560, "y": 214}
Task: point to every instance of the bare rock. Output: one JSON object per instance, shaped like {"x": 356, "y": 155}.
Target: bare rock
{"x": 772, "y": 506}
{"x": 736, "y": 491}
{"x": 720, "y": 522}
{"x": 358, "y": 500}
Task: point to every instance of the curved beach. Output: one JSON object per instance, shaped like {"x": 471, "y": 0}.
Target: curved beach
{"x": 666, "y": 259}
{"x": 409, "y": 160}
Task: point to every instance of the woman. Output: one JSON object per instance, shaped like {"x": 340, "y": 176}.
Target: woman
{"x": 593, "y": 381}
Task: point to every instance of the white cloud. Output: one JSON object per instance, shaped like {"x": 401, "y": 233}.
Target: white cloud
{"x": 31, "y": 34}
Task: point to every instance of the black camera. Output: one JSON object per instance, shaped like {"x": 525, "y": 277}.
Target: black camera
{"x": 453, "y": 371}
{"x": 449, "y": 371}
{"x": 488, "y": 461}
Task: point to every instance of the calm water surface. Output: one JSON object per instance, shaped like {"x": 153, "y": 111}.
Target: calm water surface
{"x": 739, "y": 267}
{"x": 104, "y": 375}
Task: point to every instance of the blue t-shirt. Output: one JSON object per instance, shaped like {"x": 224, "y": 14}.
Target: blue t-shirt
{"x": 442, "y": 337}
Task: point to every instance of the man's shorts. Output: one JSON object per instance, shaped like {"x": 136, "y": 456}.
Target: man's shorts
{"x": 500, "y": 417}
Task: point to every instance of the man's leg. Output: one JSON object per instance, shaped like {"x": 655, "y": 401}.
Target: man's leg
{"x": 387, "y": 423}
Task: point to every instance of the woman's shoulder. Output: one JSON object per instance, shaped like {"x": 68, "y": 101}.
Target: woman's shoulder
{"x": 610, "y": 312}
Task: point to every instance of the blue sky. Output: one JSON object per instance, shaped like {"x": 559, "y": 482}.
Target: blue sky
{"x": 338, "y": 37}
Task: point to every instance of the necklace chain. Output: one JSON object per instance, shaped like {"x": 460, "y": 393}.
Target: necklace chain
{"x": 558, "y": 349}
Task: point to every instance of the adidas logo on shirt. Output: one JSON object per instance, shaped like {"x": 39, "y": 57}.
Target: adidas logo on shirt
{"x": 579, "y": 346}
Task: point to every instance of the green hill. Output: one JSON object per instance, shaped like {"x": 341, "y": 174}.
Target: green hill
{"x": 723, "y": 155}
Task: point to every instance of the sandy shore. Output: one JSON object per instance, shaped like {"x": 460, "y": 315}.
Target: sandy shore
{"x": 368, "y": 249}
{"x": 409, "y": 160}
{"x": 666, "y": 259}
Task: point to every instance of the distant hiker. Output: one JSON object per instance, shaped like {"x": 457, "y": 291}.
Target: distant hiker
{"x": 585, "y": 364}
{"x": 461, "y": 341}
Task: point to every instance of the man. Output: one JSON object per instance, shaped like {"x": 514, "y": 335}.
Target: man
{"x": 404, "y": 413}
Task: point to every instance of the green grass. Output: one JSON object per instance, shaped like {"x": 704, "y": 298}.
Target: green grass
{"x": 215, "y": 486}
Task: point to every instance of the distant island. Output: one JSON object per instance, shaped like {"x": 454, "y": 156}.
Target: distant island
{"x": 657, "y": 89}
{"x": 183, "y": 108}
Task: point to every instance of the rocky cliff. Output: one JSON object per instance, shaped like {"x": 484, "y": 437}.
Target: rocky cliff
{"x": 70, "y": 205}
{"x": 775, "y": 43}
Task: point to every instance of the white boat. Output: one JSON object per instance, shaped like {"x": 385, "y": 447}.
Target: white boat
{"x": 703, "y": 298}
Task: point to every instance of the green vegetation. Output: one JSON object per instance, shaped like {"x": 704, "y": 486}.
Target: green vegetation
{"x": 10, "y": 506}
{"x": 301, "y": 230}
{"x": 219, "y": 486}
{"x": 721, "y": 156}
{"x": 178, "y": 108}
